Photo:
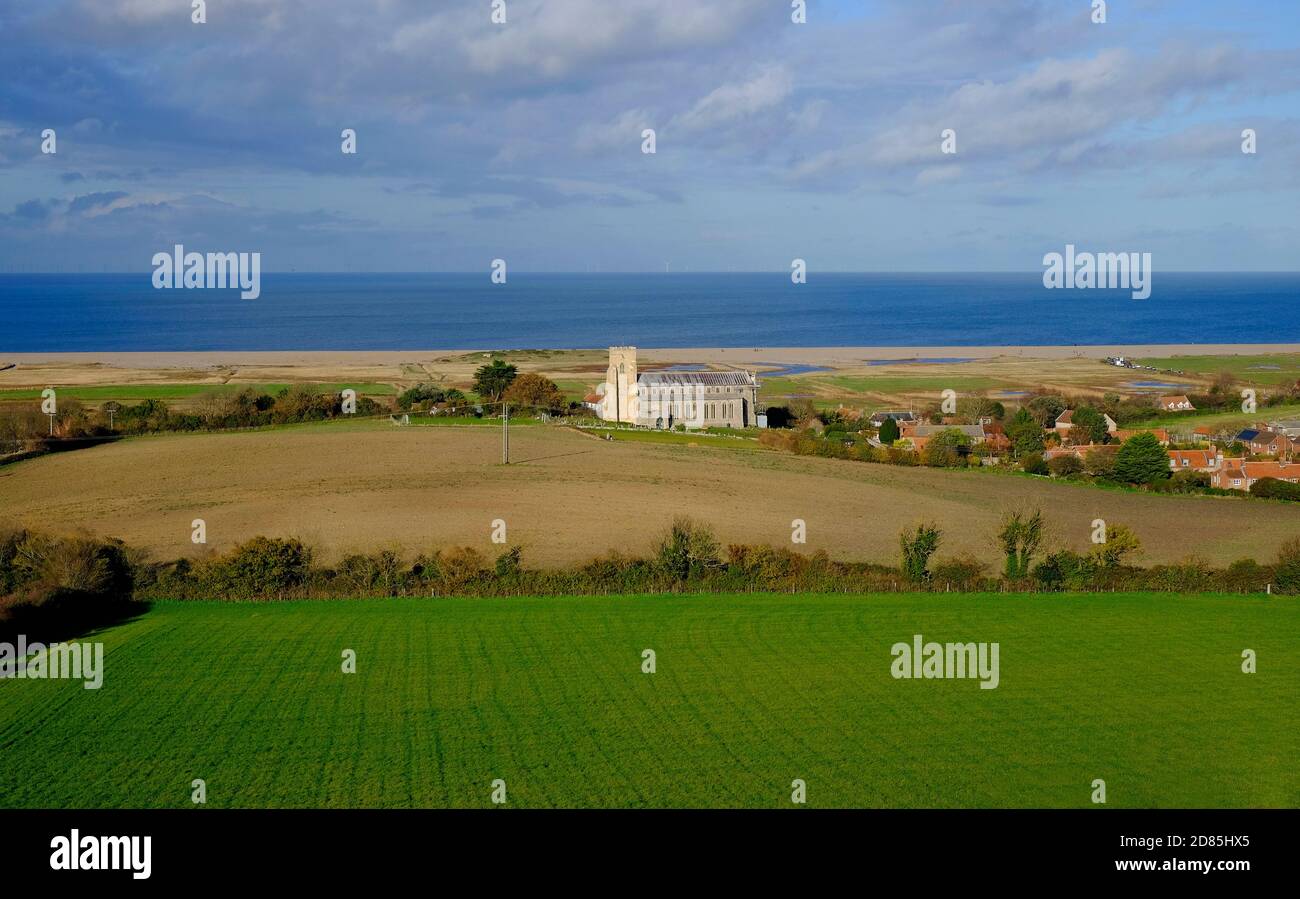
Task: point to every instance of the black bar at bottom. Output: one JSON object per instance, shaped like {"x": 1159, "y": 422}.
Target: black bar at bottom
{"x": 768, "y": 848}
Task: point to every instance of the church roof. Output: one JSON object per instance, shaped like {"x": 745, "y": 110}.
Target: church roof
{"x": 698, "y": 378}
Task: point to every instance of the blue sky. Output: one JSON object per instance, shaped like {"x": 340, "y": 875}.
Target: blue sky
{"x": 774, "y": 140}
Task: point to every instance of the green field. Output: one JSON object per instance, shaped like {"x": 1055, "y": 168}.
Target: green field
{"x": 1220, "y": 420}
{"x": 751, "y": 692}
{"x": 1281, "y": 368}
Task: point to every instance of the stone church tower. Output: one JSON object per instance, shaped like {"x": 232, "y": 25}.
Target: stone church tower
{"x": 620, "y": 385}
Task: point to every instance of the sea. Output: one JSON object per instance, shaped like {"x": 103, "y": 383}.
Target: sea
{"x": 360, "y": 311}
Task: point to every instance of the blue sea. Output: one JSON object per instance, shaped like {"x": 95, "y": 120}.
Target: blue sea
{"x": 68, "y": 313}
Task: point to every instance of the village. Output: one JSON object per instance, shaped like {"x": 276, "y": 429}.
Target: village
{"x": 1042, "y": 436}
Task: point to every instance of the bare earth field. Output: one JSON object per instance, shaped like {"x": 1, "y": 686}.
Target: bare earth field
{"x": 568, "y": 496}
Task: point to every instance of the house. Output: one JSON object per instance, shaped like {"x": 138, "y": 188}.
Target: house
{"x": 1288, "y": 428}
{"x": 666, "y": 399}
{"x": 1247, "y": 435}
{"x": 1237, "y": 474}
{"x": 1159, "y": 433}
{"x": 1177, "y": 403}
{"x": 920, "y": 434}
{"x": 900, "y": 418}
{"x": 1065, "y": 421}
{"x": 1079, "y": 451}
{"x": 1268, "y": 443}
{"x": 594, "y": 401}
{"x": 1195, "y": 460}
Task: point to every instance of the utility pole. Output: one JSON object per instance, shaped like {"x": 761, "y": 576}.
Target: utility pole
{"x": 505, "y": 434}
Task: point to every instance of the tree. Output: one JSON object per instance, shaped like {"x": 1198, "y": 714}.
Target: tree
{"x": 1089, "y": 423}
{"x": 1034, "y": 464}
{"x": 1025, "y": 433}
{"x": 1020, "y": 537}
{"x": 1100, "y": 463}
{"x": 1064, "y": 466}
{"x": 946, "y": 447}
{"x": 491, "y": 381}
{"x": 688, "y": 550}
{"x": 1045, "y": 408}
{"x": 530, "y": 389}
{"x": 918, "y": 545}
{"x": 420, "y": 395}
{"x": 1120, "y": 544}
{"x": 889, "y": 432}
{"x": 1287, "y": 570}
{"x": 973, "y": 408}
{"x": 1141, "y": 460}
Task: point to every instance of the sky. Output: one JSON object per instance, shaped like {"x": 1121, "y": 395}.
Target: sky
{"x": 773, "y": 140}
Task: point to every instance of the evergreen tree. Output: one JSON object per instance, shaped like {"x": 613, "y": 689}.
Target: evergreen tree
{"x": 889, "y": 432}
{"x": 1141, "y": 460}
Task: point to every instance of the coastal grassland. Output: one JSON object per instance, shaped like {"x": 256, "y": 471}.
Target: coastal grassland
{"x": 567, "y": 497}
{"x": 1144, "y": 691}
{"x": 1276, "y": 368}
{"x": 898, "y": 382}
{"x": 1219, "y": 420}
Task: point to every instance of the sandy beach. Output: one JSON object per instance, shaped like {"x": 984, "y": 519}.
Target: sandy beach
{"x": 786, "y": 355}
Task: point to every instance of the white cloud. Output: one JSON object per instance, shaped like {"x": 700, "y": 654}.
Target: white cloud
{"x": 737, "y": 101}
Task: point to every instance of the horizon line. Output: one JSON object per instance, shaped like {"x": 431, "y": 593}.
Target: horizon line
{"x": 779, "y": 271}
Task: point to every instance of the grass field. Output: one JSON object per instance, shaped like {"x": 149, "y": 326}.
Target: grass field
{"x": 1279, "y": 368}
{"x": 1224, "y": 420}
{"x": 1145, "y": 692}
{"x": 566, "y": 497}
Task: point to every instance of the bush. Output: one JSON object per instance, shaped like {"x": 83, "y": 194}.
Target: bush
{"x": 1064, "y": 466}
{"x": 1064, "y": 570}
{"x": 1033, "y": 464}
{"x": 1287, "y": 571}
{"x": 688, "y": 550}
{"x": 1121, "y": 543}
{"x": 1274, "y": 488}
{"x": 508, "y": 563}
{"x": 963, "y": 573}
{"x": 918, "y": 545}
{"x": 458, "y": 567}
{"x": 366, "y": 575}
{"x": 262, "y": 567}
{"x": 1100, "y": 463}
{"x": 61, "y": 585}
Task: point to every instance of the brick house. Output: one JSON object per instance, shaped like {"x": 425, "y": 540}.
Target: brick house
{"x": 1177, "y": 403}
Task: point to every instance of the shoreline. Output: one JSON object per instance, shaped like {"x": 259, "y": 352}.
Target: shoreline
{"x": 851, "y": 355}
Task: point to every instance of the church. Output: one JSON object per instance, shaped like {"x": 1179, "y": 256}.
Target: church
{"x": 666, "y": 399}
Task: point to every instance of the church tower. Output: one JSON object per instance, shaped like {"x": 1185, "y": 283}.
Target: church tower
{"x": 620, "y": 394}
